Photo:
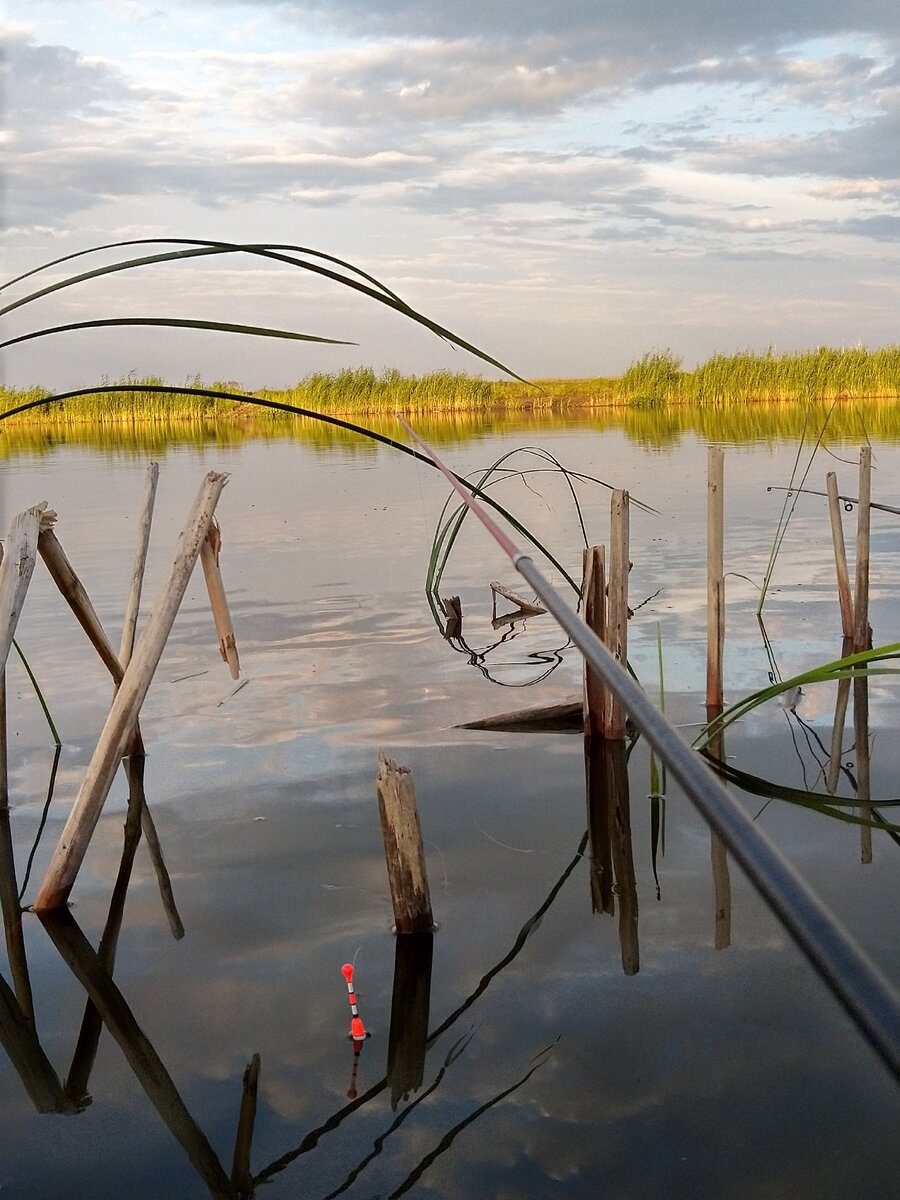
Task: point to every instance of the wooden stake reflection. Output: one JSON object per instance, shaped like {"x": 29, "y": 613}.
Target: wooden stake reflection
{"x": 609, "y": 828}
{"x": 410, "y": 1003}
{"x": 717, "y": 852}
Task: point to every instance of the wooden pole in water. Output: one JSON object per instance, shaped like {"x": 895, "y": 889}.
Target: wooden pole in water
{"x": 863, "y": 765}
{"x": 76, "y": 835}
{"x": 715, "y": 575}
{"x": 209, "y": 559}
{"x": 403, "y": 849}
{"x": 617, "y": 606}
{"x": 840, "y": 555}
{"x": 863, "y": 531}
{"x": 63, "y": 575}
{"x": 593, "y": 596}
{"x": 129, "y": 626}
{"x": 16, "y": 571}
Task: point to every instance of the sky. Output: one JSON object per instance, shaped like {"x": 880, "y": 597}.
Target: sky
{"x": 567, "y": 185}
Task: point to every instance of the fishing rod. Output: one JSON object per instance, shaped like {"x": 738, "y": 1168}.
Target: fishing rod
{"x": 849, "y": 501}
{"x": 866, "y": 995}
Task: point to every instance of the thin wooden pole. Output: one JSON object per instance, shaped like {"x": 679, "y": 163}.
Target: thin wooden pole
{"x": 209, "y": 559}
{"x": 76, "y": 835}
{"x": 74, "y": 594}
{"x": 617, "y": 607}
{"x": 241, "y": 1175}
{"x": 16, "y": 571}
{"x": 863, "y": 539}
{"x": 840, "y": 555}
{"x": 403, "y": 848}
{"x": 715, "y": 575}
{"x": 594, "y": 610}
{"x": 126, "y": 645}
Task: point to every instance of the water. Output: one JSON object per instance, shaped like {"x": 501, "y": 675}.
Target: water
{"x": 594, "y": 1061}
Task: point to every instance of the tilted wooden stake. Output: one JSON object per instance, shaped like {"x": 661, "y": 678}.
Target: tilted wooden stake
{"x": 593, "y": 596}
{"x": 129, "y": 626}
{"x": 76, "y": 835}
{"x": 840, "y": 554}
{"x": 617, "y": 606}
{"x": 863, "y": 545}
{"x": 209, "y": 558}
{"x": 403, "y": 847}
{"x": 17, "y": 569}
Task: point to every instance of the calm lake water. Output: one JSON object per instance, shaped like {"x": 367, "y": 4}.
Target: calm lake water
{"x": 605, "y": 1057}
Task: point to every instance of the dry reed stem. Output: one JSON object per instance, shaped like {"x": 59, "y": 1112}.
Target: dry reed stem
{"x": 76, "y": 835}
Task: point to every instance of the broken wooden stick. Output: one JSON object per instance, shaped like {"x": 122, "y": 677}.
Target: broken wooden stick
{"x": 17, "y": 569}
{"x": 76, "y": 835}
{"x": 209, "y": 558}
{"x": 526, "y": 608}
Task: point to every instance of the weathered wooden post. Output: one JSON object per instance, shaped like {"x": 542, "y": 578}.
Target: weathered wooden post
{"x": 403, "y": 849}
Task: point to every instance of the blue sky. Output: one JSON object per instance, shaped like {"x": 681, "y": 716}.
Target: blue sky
{"x": 566, "y": 185}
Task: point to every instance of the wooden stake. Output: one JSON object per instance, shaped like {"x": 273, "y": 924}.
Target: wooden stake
{"x": 840, "y": 555}
{"x": 241, "y": 1175}
{"x": 403, "y": 850}
{"x": 126, "y": 645}
{"x": 617, "y": 606}
{"x": 863, "y": 530}
{"x": 63, "y": 575}
{"x": 209, "y": 557}
{"x": 16, "y": 571}
{"x": 593, "y": 596}
{"x": 76, "y": 835}
{"x": 715, "y": 575}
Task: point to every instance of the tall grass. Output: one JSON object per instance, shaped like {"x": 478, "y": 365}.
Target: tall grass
{"x": 652, "y": 385}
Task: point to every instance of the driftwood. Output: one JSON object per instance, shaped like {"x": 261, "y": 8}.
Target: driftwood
{"x": 403, "y": 850}
{"x": 567, "y": 716}
{"x": 525, "y": 607}
{"x": 76, "y": 835}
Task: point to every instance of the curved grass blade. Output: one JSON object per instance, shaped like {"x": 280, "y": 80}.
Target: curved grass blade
{"x": 198, "y": 249}
{"x": 177, "y": 323}
{"x": 829, "y": 806}
{"x": 840, "y": 668}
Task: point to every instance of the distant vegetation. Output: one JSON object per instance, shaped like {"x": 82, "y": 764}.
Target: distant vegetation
{"x": 656, "y": 380}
